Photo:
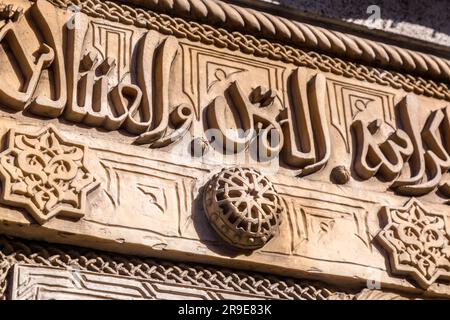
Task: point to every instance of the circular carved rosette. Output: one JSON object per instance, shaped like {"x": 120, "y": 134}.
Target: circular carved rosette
{"x": 243, "y": 207}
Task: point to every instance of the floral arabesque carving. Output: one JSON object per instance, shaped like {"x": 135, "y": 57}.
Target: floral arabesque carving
{"x": 243, "y": 207}
{"x": 418, "y": 242}
{"x": 45, "y": 174}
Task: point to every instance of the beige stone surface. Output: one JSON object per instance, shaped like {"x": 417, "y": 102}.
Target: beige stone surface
{"x": 40, "y": 283}
{"x": 50, "y": 271}
{"x": 116, "y": 134}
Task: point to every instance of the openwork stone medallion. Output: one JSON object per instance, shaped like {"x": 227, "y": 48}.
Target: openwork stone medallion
{"x": 418, "y": 242}
{"x": 45, "y": 175}
{"x": 243, "y": 207}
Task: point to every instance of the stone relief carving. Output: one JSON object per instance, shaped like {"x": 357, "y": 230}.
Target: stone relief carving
{"x": 111, "y": 83}
{"x": 298, "y": 131}
{"x": 43, "y": 283}
{"x": 243, "y": 207}
{"x": 257, "y": 120}
{"x": 214, "y": 72}
{"x": 161, "y": 197}
{"x": 9, "y": 12}
{"x": 156, "y": 83}
{"x": 308, "y": 144}
{"x": 317, "y": 222}
{"x": 98, "y": 91}
{"x": 348, "y": 102}
{"x": 33, "y": 266}
{"x": 222, "y": 38}
{"x": 304, "y": 35}
{"x": 46, "y": 283}
{"x": 49, "y": 57}
{"x": 45, "y": 174}
{"x": 166, "y": 276}
{"x": 418, "y": 242}
{"x": 424, "y": 150}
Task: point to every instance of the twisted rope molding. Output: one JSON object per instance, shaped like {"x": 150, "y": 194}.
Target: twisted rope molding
{"x": 250, "y": 45}
{"x": 13, "y": 251}
{"x": 304, "y": 35}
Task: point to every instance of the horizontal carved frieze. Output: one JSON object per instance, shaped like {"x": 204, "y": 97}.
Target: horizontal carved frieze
{"x": 31, "y": 270}
{"x": 137, "y": 132}
{"x": 280, "y": 29}
{"x": 263, "y": 48}
{"x": 117, "y": 77}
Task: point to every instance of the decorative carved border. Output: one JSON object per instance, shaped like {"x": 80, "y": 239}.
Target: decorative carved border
{"x": 16, "y": 251}
{"x": 13, "y": 251}
{"x": 347, "y": 46}
{"x": 201, "y": 276}
{"x": 263, "y": 48}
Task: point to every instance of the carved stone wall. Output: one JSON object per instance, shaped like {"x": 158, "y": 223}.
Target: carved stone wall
{"x": 207, "y": 132}
{"x": 31, "y": 271}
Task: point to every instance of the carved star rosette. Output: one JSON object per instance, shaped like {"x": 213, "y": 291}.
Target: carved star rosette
{"x": 418, "y": 242}
{"x": 243, "y": 207}
{"x": 45, "y": 174}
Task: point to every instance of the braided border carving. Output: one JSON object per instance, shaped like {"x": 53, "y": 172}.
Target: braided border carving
{"x": 304, "y": 35}
{"x": 13, "y": 251}
{"x": 5, "y": 264}
{"x": 259, "y": 47}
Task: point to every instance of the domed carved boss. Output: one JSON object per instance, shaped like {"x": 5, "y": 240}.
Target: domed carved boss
{"x": 242, "y": 206}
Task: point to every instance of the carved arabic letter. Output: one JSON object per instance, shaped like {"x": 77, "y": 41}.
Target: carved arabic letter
{"x": 437, "y": 158}
{"x": 265, "y": 112}
{"x": 375, "y": 154}
{"x": 305, "y": 126}
{"x": 140, "y": 118}
{"x": 159, "y": 115}
{"x": 316, "y": 99}
{"x": 19, "y": 99}
{"x": 120, "y": 95}
{"x": 231, "y": 141}
{"x": 299, "y": 149}
{"x": 85, "y": 85}
{"x": 254, "y": 121}
{"x": 44, "y": 15}
{"x": 75, "y": 40}
{"x": 409, "y": 115}
{"x": 96, "y": 100}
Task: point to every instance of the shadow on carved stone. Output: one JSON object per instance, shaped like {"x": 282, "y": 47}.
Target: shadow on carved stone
{"x": 418, "y": 242}
{"x": 45, "y": 174}
{"x": 243, "y": 207}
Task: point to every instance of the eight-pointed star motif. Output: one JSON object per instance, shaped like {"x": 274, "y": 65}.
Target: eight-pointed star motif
{"x": 45, "y": 175}
{"x": 418, "y": 242}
